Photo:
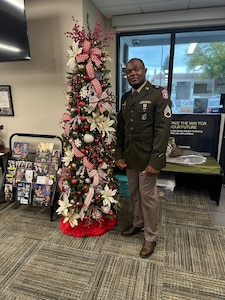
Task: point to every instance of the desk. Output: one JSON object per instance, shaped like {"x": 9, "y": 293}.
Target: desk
{"x": 208, "y": 174}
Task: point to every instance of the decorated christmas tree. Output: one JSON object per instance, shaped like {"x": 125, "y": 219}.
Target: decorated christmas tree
{"x": 89, "y": 191}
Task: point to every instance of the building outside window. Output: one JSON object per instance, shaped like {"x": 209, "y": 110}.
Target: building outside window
{"x": 189, "y": 63}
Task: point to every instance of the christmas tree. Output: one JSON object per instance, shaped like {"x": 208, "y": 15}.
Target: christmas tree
{"x": 89, "y": 191}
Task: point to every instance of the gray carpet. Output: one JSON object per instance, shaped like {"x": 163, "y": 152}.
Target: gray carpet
{"x": 38, "y": 261}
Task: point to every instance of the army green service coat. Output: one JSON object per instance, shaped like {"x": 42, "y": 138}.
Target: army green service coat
{"x": 143, "y": 128}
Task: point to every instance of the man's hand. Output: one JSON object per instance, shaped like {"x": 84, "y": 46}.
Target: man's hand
{"x": 120, "y": 163}
{"x": 151, "y": 171}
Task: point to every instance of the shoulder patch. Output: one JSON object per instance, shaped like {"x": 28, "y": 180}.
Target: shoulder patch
{"x": 165, "y": 94}
{"x": 167, "y": 112}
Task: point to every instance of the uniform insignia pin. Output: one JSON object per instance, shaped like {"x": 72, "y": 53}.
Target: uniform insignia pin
{"x": 144, "y": 116}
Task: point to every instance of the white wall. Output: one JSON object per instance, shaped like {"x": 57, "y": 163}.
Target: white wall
{"x": 38, "y": 85}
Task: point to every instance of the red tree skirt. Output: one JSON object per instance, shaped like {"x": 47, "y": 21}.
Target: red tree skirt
{"x": 95, "y": 229}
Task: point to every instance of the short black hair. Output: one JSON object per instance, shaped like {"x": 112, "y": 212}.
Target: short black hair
{"x": 135, "y": 58}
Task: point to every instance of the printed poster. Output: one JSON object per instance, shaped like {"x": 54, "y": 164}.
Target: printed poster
{"x": 197, "y": 132}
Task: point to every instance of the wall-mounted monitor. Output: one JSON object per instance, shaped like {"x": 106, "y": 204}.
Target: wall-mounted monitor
{"x": 14, "y": 43}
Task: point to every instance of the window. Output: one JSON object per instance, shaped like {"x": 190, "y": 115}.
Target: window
{"x": 189, "y": 63}
{"x": 201, "y": 88}
{"x": 154, "y": 50}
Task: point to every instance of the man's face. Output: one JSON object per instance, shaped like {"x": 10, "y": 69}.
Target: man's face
{"x": 135, "y": 72}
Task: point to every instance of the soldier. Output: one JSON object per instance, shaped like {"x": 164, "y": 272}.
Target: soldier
{"x": 143, "y": 130}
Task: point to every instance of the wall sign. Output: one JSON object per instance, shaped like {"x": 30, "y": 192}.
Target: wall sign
{"x": 197, "y": 132}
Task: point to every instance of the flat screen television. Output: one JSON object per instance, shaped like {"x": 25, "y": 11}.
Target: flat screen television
{"x": 14, "y": 42}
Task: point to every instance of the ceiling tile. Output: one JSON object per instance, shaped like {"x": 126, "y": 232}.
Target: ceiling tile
{"x": 116, "y": 3}
{"x": 111, "y": 8}
{"x": 164, "y": 6}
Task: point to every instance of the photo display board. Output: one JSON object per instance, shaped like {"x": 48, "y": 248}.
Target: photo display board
{"x": 197, "y": 132}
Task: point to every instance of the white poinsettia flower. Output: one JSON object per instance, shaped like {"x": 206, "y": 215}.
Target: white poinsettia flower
{"x": 68, "y": 216}
{"x": 73, "y": 220}
{"x": 101, "y": 123}
{"x": 69, "y": 154}
{"x": 83, "y": 92}
{"x": 64, "y": 206}
{"x": 72, "y": 53}
{"x": 107, "y": 195}
{"x": 110, "y": 138}
{"x": 77, "y": 143}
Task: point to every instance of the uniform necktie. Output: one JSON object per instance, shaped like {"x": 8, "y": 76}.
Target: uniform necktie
{"x": 134, "y": 95}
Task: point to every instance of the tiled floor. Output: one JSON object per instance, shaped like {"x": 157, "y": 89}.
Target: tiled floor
{"x": 218, "y": 212}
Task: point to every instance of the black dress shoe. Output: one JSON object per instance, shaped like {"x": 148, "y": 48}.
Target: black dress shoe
{"x": 131, "y": 230}
{"x": 147, "y": 249}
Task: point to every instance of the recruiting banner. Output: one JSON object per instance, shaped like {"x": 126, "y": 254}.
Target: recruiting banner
{"x": 197, "y": 132}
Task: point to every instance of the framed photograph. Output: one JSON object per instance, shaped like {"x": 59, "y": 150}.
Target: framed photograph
{"x": 6, "y": 104}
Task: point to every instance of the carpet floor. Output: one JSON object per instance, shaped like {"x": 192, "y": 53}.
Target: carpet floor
{"x": 38, "y": 261}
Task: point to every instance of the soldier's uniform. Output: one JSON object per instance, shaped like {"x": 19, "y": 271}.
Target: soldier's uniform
{"x": 143, "y": 131}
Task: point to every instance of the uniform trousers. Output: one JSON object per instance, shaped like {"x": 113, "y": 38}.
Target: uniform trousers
{"x": 144, "y": 197}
